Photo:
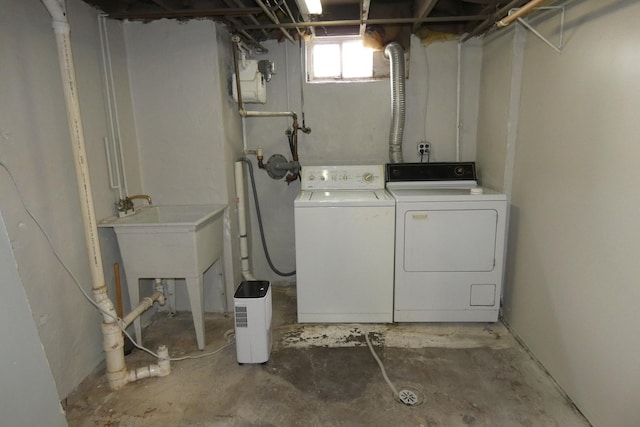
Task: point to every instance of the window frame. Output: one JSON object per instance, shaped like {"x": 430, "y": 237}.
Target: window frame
{"x": 311, "y": 78}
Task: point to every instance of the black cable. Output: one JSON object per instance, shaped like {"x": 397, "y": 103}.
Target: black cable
{"x": 260, "y": 226}
{"x": 289, "y": 134}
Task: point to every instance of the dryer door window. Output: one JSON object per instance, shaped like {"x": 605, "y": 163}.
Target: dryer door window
{"x": 450, "y": 240}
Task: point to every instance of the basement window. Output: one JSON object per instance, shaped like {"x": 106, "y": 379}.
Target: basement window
{"x": 339, "y": 59}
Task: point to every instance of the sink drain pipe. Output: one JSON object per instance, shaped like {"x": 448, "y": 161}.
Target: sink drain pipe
{"x": 113, "y": 342}
{"x": 242, "y": 223}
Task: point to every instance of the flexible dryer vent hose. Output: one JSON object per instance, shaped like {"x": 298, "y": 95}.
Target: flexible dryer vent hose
{"x": 394, "y": 52}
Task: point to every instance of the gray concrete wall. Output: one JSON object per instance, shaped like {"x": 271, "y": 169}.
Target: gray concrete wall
{"x": 572, "y": 286}
{"x": 28, "y": 396}
{"x": 35, "y": 145}
{"x": 350, "y": 125}
{"x": 188, "y": 130}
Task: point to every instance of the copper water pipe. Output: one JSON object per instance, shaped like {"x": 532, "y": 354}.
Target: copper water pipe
{"x": 491, "y": 19}
{"x": 244, "y": 113}
{"x": 524, "y": 10}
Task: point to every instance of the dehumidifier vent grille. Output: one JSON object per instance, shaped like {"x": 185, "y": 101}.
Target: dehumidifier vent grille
{"x": 241, "y": 317}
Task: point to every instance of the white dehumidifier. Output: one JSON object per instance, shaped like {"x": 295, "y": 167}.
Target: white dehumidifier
{"x": 252, "y": 309}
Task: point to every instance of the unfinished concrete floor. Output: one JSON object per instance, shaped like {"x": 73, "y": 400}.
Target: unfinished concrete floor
{"x": 324, "y": 375}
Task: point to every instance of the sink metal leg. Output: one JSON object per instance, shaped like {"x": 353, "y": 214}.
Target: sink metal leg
{"x": 195, "y": 289}
{"x": 171, "y": 294}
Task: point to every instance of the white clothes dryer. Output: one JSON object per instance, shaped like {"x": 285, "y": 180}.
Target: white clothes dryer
{"x": 449, "y": 257}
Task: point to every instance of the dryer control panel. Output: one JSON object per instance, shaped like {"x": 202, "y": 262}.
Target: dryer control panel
{"x": 350, "y": 177}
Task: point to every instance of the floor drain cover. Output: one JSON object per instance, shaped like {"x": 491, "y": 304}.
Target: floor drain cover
{"x": 408, "y": 397}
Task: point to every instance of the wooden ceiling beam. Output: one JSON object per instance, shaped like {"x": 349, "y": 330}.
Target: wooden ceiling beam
{"x": 422, "y": 9}
{"x": 364, "y": 15}
{"x": 161, "y": 4}
{"x": 188, "y": 13}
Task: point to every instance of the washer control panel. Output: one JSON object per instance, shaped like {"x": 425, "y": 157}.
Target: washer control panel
{"x": 352, "y": 177}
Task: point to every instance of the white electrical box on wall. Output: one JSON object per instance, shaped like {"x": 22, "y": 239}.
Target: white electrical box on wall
{"x": 252, "y": 83}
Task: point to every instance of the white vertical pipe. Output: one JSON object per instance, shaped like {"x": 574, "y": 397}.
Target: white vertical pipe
{"x": 74, "y": 120}
{"x": 107, "y": 87}
{"x": 113, "y": 185}
{"x": 243, "y": 119}
{"x": 112, "y": 338}
{"x": 242, "y": 222}
{"x": 458, "y": 101}
{"x": 111, "y": 96}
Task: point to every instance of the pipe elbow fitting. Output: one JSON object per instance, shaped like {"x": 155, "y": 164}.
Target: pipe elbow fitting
{"x": 164, "y": 362}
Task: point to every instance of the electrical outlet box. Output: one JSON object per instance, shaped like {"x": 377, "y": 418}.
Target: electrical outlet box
{"x": 423, "y": 148}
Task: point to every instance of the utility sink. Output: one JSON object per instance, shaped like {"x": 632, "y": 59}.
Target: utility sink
{"x": 169, "y": 242}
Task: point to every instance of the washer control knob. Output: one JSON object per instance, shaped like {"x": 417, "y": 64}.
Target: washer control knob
{"x": 311, "y": 178}
{"x": 367, "y": 177}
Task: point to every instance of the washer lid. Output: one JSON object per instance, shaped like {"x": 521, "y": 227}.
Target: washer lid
{"x": 327, "y": 198}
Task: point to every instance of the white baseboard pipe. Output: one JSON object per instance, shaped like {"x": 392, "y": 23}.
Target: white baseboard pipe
{"x": 113, "y": 343}
{"x": 242, "y": 223}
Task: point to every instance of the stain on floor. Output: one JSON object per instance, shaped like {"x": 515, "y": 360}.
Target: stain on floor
{"x": 324, "y": 375}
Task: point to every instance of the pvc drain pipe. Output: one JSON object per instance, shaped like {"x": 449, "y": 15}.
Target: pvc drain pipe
{"x": 113, "y": 342}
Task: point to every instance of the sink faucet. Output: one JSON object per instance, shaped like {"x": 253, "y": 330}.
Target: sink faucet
{"x": 140, "y": 196}
{"x": 125, "y": 205}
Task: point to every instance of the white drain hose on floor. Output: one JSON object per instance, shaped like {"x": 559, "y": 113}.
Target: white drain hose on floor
{"x": 407, "y": 397}
{"x": 384, "y": 372}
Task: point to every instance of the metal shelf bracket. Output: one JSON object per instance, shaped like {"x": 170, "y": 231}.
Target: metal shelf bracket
{"x": 557, "y": 48}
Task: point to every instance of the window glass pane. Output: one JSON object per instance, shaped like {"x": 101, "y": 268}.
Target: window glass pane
{"x": 357, "y": 60}
{"x": 326, "y": 60}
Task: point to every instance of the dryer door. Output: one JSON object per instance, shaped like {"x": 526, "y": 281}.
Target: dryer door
{"x": 450, "y": 240}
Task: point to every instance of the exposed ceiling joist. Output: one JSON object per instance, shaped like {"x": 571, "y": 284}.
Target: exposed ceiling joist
{"x": 259, "y": 20}
{"x": 184, "y": 13}
{"x": 162, "y": 4}
{"x": 422, "y": 9}
{"x": 364, "y": 15}
{"x": 347, "y": 22}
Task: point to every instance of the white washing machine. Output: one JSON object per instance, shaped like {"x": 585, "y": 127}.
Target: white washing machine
{"x": 344, "y": 226}
{"x": 449, "y": 259}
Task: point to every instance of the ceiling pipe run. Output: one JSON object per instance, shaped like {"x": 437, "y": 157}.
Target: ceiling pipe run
{"x": 113, "y": 342}
{"x": 377, "y": 21}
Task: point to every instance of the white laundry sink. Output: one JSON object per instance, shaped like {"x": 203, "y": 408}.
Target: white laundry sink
{"x": 170, "y": 242}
